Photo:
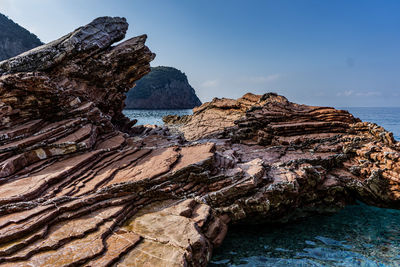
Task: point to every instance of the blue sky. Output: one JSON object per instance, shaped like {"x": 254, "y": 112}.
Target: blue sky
{"x": 335, "y": 53}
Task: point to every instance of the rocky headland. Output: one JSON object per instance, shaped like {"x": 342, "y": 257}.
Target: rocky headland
{"x": 162, "y": 88}
{"x": 14, "y": 39}
{"x": 82, "y": 186}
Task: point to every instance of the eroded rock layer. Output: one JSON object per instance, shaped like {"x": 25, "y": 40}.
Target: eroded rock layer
{"x": 307, "y": 159}
{"x": 79, "y": 186}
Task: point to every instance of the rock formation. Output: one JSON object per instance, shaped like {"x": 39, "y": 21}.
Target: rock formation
{"x": 162, "y": 88}
{"x": 314, "y": 159}
{"x": 81, "y": 187}
{"x": 14, "y": 39}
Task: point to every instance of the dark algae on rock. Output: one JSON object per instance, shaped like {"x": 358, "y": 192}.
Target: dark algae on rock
{"x": 14, "y": 39}
{"x": 80, "y": 185}
{"x": 162, "y": 88}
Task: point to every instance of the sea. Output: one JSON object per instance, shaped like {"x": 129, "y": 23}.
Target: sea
{"x": 358, "y": 235}
{"x": 153, "y": 116}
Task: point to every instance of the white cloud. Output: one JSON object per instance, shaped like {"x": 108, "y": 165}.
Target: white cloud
{"x": 210, "y": 83}
{"x": 373, "y": 93}
{"x": 346, "y": 93}
{"x": 264, "y": 79}
{"x": 362, "y": 94}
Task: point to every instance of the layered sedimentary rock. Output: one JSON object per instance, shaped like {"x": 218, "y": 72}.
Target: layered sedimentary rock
{"x": 76, "y": 188}
{"x": 81, "y": 186}
{"x": 310, "y": 159}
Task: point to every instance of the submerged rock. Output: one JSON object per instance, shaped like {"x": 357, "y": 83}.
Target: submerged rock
{"x": 81, "y": 186}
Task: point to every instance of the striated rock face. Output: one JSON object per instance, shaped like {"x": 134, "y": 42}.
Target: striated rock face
{"x": 81, "y": 69}
{"x": 75, "y": 188}
{"x": 162, "y": 88}
{"x": 79, "y": 186}
{"x": 212, "y": 117}
{"x": 307, "y": 159}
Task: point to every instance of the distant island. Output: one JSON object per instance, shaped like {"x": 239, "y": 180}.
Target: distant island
{"x": 162, "y": 88}
{"x": 15, "y": 39}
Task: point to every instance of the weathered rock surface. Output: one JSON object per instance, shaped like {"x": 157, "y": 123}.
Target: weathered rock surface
{"x": 308, "y": 159}
{"x": 213, "y": 116}
{"x": 79, "y": 186}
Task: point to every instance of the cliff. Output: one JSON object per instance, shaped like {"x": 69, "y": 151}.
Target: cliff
{"x": 80, "y": 185}
{"x": 14, "y": 39}
{"x": 162, "y": 88}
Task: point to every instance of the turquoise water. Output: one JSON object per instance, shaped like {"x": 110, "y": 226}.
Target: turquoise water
{"x": 358, "y": 235}
{"x": 153, "y": 116}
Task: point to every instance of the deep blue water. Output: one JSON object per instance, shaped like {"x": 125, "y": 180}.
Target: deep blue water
{"x": 358, "y": 235}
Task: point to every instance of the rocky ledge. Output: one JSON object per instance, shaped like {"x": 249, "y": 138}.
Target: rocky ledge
{"x": 81, "y": 186}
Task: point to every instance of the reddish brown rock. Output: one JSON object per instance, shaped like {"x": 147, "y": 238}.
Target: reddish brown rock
{"x": 211, "y": 117}
{"x": 71, "y": 176}
{"x": 292, "y": 160}
{"x": 80, "y": 186}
